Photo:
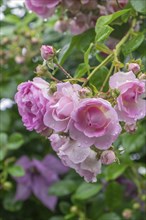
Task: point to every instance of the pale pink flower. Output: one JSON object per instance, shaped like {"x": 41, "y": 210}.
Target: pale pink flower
{"x": 83, "y": 160}
{"x": 130, "y": 103}
{"x": 64, "y": 101}
{"x": 32, "y": 99}
{"x": 94, "y": 122}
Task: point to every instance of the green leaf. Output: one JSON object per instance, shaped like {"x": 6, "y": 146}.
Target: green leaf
{"x": 3, "y": 145}
{"x": 110, "y": 216}
{"x": 98, "y": 78}
{"x": 102, "y": 47}
{"x": 15, "y": 141}
{"x": 108, "y": 19}
{"x": 103, "y": 32}
{"x": 57, "y": 218}
{"x": 139, "y": 5}
{"x": 87, "y": 190}
{"x": 5, "y": 120}
{"x": 114, "y": 191}
{"x": 80, "y": 42}
{"x": 81, "y": 70}
{"x": 132, "y": 44}
{"x": 11, "y": 205}
{"x": 114, "y": 170}
{"x": 133, "y": 142}
{"x": 16, "y": 171}
{"x": 64, "y": 207}
{"x": 3, "y": 139}
{"x": 62, "y": 188}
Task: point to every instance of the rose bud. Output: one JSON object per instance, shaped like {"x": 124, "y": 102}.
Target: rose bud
{"x": 47, "y": 52}
{"x": 108, "y": 157}
{"x": 134, "y": 67}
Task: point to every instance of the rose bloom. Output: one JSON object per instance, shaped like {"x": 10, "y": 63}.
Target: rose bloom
{"x": 32, "y": 99}
{"x": 94, "y": 122}
{"x": 63, "y": 102}
{"x": 82, "y": 160}
{"x": 43, "y": 8}
{"x": 108, "y": 157}
{"x": 130, "y": 103}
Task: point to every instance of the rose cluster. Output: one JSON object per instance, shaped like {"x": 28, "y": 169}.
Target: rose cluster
{"x": 77, "y": 15}
{"x": 81, "y": 127}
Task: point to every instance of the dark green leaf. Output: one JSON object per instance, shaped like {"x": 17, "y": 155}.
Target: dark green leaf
{"x": 133, "y": 142}
{"x": 114, "y": 170}
{"x": 139, "y": 5}
{"x": 110, "y": 216}
{"x": 133, "y": 44}
{"x": 16, "y": 171}
{"x": 62, "y": 188}
{"x": 11, "y": 205}
{"x": 104, "y": 20}
{"x": 15, "y": 141}
{"x": 114, "y": 191}
{"x": 81, "y": 70}
{"x": 87, "y": 190}
{"x": 103, "y": 32}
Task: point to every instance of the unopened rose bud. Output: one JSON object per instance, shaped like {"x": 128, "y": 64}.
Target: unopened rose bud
{"x": 108, "y": 157}
{"x": 127, "y": 213}
{"x": 41, "y": 70}
{"x": 47, "y": 52}
{"x": 134, "y": 67}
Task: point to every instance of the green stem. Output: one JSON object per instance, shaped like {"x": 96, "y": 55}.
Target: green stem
{"x": 107, "y": 77}
{"x": 114, "y": 54}
{"x": 104, "y": 62}
{"x": 63, "y": 70}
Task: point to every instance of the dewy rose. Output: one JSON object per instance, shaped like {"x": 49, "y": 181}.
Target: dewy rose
{"x": 94, "y": 122}
{"x": 47, "y": 52}
{"x": 64, "y": 101}
{"x": 83, "y": 160}
{"x": 43, "y": 8}
{"x": 32, "y": 99}
{"x": 130, "y": 103}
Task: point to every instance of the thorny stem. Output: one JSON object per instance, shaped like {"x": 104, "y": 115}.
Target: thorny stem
{"x": 114, "y": 55}
{"x": 63, "y": 70}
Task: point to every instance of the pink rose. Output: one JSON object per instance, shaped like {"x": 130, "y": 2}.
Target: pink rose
{"x": 130, "y": 103}
{"x": 108, "y": 157}
{"x": 94, "y": 122}
{"x": 63, "y": 102}
{"x": 43, "y": 8}
{"x": 83, "y": 160}
{"x": 32, "y": 99}
{"x": 47, "y": 52}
